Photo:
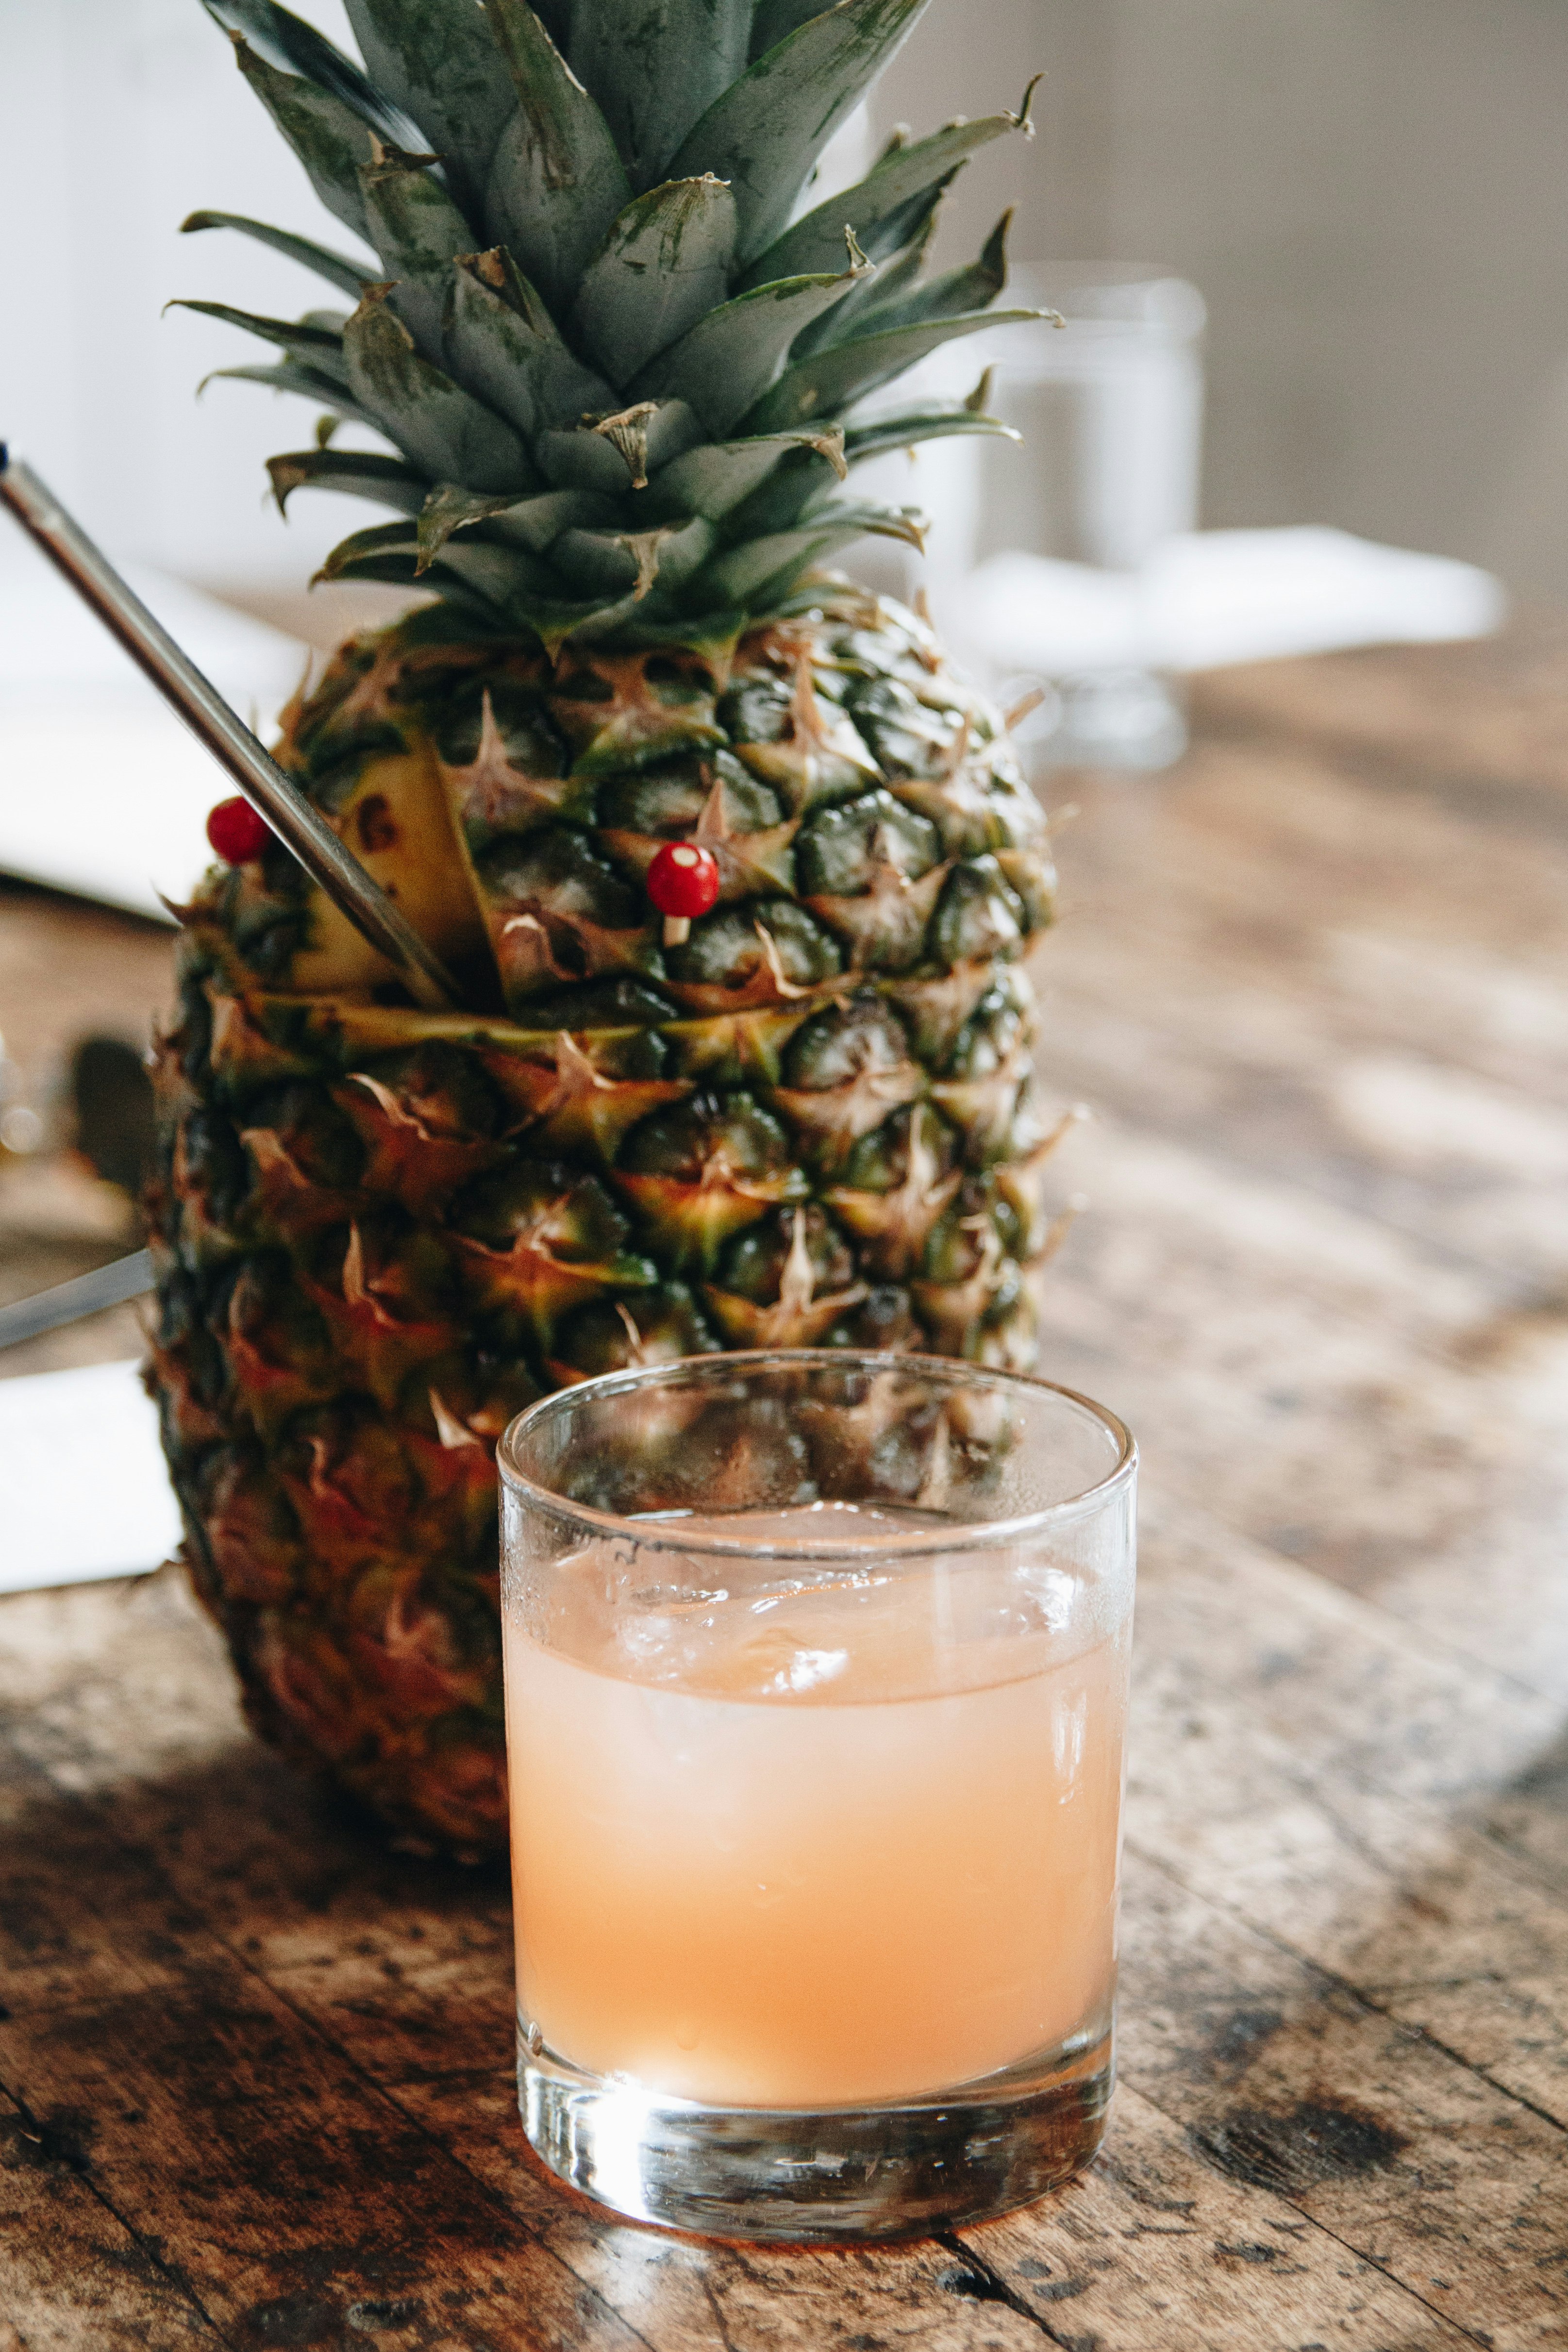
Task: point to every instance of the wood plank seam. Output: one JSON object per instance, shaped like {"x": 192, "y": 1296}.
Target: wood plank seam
{"x": 325, "y": 2038}
{"x": 1343, "y": 1984}
{"x": 144, "y": 2246}
{"x": 1312, "y": 2221}
{"x": 385, "y": 2092}
{"x": 318, "y": 2033}
{"x": 999, "y": 2290}
{"x": 997, "y": 2286}
{"x": 314, "y": 2030}
{"x": 497, "y": 2199}
{"x": 1360, "y": 1613}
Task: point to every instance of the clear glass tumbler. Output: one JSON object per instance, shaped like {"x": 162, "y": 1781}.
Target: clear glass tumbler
{"x": 816, "y": 1671}
{"x": 1037, "y": 551}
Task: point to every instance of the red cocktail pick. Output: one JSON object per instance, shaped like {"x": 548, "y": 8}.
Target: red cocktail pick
{"x": 683, "y": 879}
{"x": 237, "y": 833}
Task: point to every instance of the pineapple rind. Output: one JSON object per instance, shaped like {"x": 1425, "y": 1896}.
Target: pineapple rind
{"x": 382, "y": 1231}
{"x": 621, "y": 394}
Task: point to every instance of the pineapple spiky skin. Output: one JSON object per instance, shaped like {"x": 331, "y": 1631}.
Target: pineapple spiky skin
{"x": 619, "y": 362}
{"x": 382, "y": 1232}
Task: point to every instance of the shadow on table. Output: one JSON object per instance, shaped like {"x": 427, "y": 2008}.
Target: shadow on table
{"x": 238, "y": 1867}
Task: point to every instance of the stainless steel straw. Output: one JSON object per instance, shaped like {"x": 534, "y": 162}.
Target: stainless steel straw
{"x": 73, "y": 1302}
{"x": 230, "y": 741}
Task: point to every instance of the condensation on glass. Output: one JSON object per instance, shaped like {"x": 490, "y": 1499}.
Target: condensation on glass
{"x": 816, "y": 1671}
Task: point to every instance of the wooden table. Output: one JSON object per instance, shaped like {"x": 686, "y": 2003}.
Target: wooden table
{"x": 257, "y": 2069}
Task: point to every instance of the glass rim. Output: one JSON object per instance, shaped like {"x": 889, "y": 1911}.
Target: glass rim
{"x": 668, "y": 1534}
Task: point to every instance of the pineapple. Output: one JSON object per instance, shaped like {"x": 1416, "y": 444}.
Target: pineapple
{"x": 620, "y": 375}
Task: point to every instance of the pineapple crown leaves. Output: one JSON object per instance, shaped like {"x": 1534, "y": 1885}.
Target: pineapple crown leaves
{"x": 623, "y": 374}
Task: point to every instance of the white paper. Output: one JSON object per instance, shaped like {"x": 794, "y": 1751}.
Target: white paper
{"x": 1217, "y": 597}
{"x": 84, "y": 1492}
{"x": 1206, "y": 598}
{"x": 102, "y": 790}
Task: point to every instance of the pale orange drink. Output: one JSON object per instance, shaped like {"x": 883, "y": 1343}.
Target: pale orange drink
{"x": 814, "y": 1747}
{"x": 857, "y": 1842}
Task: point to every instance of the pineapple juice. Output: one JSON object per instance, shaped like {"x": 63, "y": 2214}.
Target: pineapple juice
{"x": 847, "y": 1841}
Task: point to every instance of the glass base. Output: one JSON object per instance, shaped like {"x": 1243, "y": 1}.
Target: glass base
{"x": 883, "y": 2171}
{"x": 1120, "y": 718}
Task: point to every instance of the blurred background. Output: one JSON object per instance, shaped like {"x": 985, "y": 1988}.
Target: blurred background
{"x": 1368, "y": 195}
{"x": 1311, "y": 393}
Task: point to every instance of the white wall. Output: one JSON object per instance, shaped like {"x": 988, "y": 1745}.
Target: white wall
{"x": 1373, "y": 195}
{"x": 118, "y": 118}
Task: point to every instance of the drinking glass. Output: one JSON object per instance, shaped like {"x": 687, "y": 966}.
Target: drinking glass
{"x": 1037, "y": 551}
{"x": 816, "y": 1675}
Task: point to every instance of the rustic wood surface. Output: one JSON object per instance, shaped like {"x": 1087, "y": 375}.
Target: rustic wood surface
{"x": 255, "y": 2070}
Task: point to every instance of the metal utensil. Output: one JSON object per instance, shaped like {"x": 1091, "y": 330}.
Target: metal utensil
{"x": 72, "y": 1302}
{"x": 213, "y": 722}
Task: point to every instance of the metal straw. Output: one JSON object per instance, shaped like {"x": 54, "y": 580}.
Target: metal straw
{"x": 209, "y": 718}
{"x": 72, "y": 1302}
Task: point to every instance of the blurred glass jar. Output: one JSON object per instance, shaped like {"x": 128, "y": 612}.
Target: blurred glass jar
{"x": 1035, "y": 551}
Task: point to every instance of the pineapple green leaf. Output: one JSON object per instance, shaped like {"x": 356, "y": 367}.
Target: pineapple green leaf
{"x": 640, "y": 573}
{"x": 293, "y": 47}
{"x": 725, "y": 364}
{"x": 893, "y": 278}
{"x": 321, "y": 346}
{"x": 378, "y": 539}
{"x": 554, "y": 618}
{"x": 654, "y": 67}
{"x": 854, "y": 517}
{"x": 664, "y": 264}
{"x": 830, "y": 380}
{"x": 713, "y": 633}
{"x": 328, "y": 138}
{"x": 390, "y": 552}
{"x": 555, "y": 181}
{"x": 502, "y": 576}
{"x": 576, "y": 458}
{"x": 537, "y": 523}
{"x": 794, "y": 494}
{"x": 440, "y": 64}
{"x": 952, "y": 296}
{"x": 934, "y": 423}
{"x": 418, "y": 232}
{"x": 614, "y": 454}
{"x": 358, "y": 473}
{"x": 449, "y": 508}
{"x": 387, "y": 553}
{"x": 899, "y": 244}
{"x": 349, "y": 277}
{"x": 648, "y": 435}
{"x": 767, "y": 130}
{"x": 711, "y": 481}
{"x": 759, "y": 571}
{"x": 676, "y": 455}
{"x": 293, "y": 375}
{"x": 773, "y": 21}
{"x": 904, "y": 175}
{"x": 534, "y": 524}
{"x": 906, "y": 229}
{"x": 506, "y": 347}
{"x": 433, "y": 421}
{"x": 604, "y": 564}
{"x": 682, "y": 552}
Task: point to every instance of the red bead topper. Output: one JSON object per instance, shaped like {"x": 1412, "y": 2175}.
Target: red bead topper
{"x": 237, "y": 833}
{"x": 683, "y": 879}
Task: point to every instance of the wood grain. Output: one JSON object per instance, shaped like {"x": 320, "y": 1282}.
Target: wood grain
{"x": 254, "y": 2072}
